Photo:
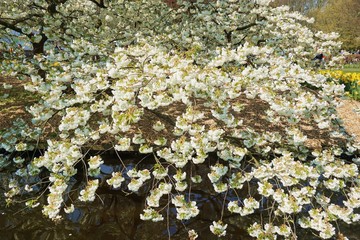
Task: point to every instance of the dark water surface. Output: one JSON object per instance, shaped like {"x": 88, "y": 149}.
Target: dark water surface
{"x": 115, "y": 215}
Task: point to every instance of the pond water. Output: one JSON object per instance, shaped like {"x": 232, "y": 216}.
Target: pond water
{"x": 117, "y": 218}
{"x": 115, "y": 215}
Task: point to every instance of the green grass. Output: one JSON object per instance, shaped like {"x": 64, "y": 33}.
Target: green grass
{"x": 352, "y": 65}
{"x": 350, "y": 70}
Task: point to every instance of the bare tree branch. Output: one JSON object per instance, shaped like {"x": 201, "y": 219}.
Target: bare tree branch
{"x": 246, "y": 26}
{"x": 99, "y": 4}
{"x": 10, "y": 26}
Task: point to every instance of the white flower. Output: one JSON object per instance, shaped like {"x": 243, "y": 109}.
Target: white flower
{"x": 187, "y": 210}
{"x": 144, "y": 148}
{"x": 178, "y": 200}
{"x": 283, "y": 230}
{"x": 255, "y": 230}
{"x": 28, "y": 188}
{"x": 135, "y": 184}
{"x": 153, "y": 199}
{"x": 18, "y": 160}
{"x": 132, "y": 173}
{"x": 88, "y": 194}
{"x": 220, "y": 187}
{"x": 265, "y": 189}
{"x": 234, "y": 207}
{"x": 217, "y": 172}
{"x": 151, "y": 214}
{"x": 334, "y": 184}
{"x": 192, "y": 234}
{"x": 95, "y": 162}
{"x": 304, "y": 222}
{"x": 160, "y": 172}
{"x": 218, "y": 228}
{"x": 21, "y": 147}
{"x": 160, "y": 141}
{"x": 181, "y": 186}
{"x": 251, "y": 203}
{"x": 324, "y": 124}
{"x": 165, "y": 188}
{"x": 237, "y": 180}
{"x": 158, "y": 126}
{"x": 180, "y": 176}
{"x": 138, "y": 139}
{"x": 327, "y": 231}
{"x": 199, "y": 159}
{"x": 108, "y": 18}
{"x": 7, "y": 86}
{"x": 116, "y": 179}
{"x": 32, "y": 203}
{"x": 123, "y": 144}
{"x": 69, "y": 209}
{"x": 196, "y": 179}
{"x": 144, "y": 174}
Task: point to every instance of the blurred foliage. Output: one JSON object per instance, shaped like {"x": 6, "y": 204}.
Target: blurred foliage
{"x": 300, "y": 5}
{"x": 342, "y": 16}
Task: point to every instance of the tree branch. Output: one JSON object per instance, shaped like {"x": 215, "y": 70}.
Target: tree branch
{"x": 162, "y": 116}
{"x": 246, "y": 26}
{"x": 10, "y": 26}
{"x": 99, "y": 4}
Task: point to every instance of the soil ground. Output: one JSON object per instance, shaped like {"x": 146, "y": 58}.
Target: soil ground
{"x": 15, "y": 106}
{"x": 349, "y": 112}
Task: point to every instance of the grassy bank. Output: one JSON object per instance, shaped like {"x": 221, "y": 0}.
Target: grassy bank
{"x": 351, "y": 68}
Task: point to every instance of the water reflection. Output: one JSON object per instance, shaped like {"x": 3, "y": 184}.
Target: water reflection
{"x": 116, "y": 218}
{"x": 115, "y": 215}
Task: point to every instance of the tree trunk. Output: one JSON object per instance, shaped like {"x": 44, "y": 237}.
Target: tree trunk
{"x": 38, "y": 48}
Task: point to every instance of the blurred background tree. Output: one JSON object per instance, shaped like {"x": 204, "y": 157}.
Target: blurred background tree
{"x": 302, "y": 6}
{"x": 342, "y": 16}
